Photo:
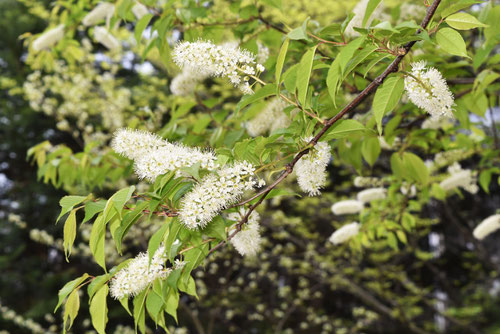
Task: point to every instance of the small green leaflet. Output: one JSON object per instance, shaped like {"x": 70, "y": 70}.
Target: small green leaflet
{"x": 343, "y": 128}
{"x": 99, "y": 309}
{"x": 68, "y": 288}
{"x": 452, "y": 42}
{"x": 370, "y": 8}
{"x": 304, "y": 74}
{"x": 71, "y": 309}
{"x": 386, "y": 98}
{"x": 279, "y": 64}
{"x": 463, "y": 21}
{"x": 141, "y": 25}
{"x": 69, "y": 233}
{"x": 300, "y": 32}
{"x": 267, "y": 90}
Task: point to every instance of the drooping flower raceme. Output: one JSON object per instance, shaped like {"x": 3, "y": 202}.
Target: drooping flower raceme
{"x": 103, "y": 36}
{"x": 154, "y": 156}
{"x": 102, "y": 11}
{"x": 464, "y": 178}
{"x": 184, "y": 83}
{"x": 139, "y": 273}
{"x": 215, "y": 193}
{"x": 248, "y": 240}
{"x": 428, "y": 90}
{"x": 344, "y": 233}
{"x": 49, "y": 38}
{"x": 311, "y": 169}
{"x": 372, "y": 194}
{"x": 272, "y": 117}
{"x": 208, "y": 59}
{"x": 487, "y": 226}
{"x": 347, "y": 207}
{"x": 139, "y": 10}
{"x": 170, "y": 158}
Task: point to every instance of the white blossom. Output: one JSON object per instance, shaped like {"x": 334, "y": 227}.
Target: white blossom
{"x": 208, "y": 59}
{"x": 487, "y": 226}
{"x": 430, "y": 92}
{"x": 171, "y": 157}
{"x": 438, "y": 122}
{"x": 311, "y": 169}
{"x": 103, "y": 36}
{"x": 372, "y": 194}
{"x": 104, "y": 10}
{"x": 185, "y": 83}
{"x": 214, "y": 193}
{"x": 463, "y": 178}
{"x": 139, "y": 10}
{"x": 408, "y": 190}
{"x": 262, "y": 54}
{"x": 248, "y": 240}
{"x": 135, "y": 143}
{"x": 49, "y": 38}
{"x": 345, "y": 233}
{"x": 366, "y": 181}
{"x": 138, "y": 274}
{"x": 271, "y": 118}
{"x": 347, "y": 207}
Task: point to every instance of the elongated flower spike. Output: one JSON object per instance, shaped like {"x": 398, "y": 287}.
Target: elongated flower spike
{"x": 311, "y": 169}
{"x": 487, "y": 226}
{"x": 49, "y": 38}
{"x": 247, "y": 241}
{"x": 344, "y": 233}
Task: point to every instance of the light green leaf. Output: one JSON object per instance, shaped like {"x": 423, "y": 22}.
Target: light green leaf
{"x": 68, "y": 202}
{"x": 415, "y": 168}
{"x": 68, "y": 288}
{"x": 96, "y": 284}
{"x": 175, "y": 227}
{"x": 116, "y": 202}
{"x": 71, "y": 309}
{"x": 463, "y": 21}
{"x": 386, "y": 98}
{"x": 154, "y": 304}
{"x": 97, "y": 241}
{"x": 128, "y": 220}
{"x": 343, "y": 128}
{"x": 157, "y": 239}
{"x": 189, "y": 287}
{"x": 370, "y": 149}
{"x": 141, "y": 25}
{"x": 92, "y": 208}
{"x": 267, "y": 90}
{"x": 139, "y": 311}
{"x": 304, "y": 74}
{"x": 279, "y": 64}
{"x": 69, "y": 233}
{"x": 172, "y": 303}
{"x": 99, "y": 309}
{"x": 300, "y": 32}
{"x": 452, "y": 42}
{"x": 370, "y": 7}
{"x": 216, "y": 228}
{"x": 455, "y": 6}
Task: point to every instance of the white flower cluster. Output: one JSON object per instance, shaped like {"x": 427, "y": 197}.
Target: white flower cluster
{"x": 464, "y": 178}
{"x": 247, "y": 241}
{"x": 269, "y": 119}
{"x": 185, "y": 83}
{"x": 438, "y": 122}
{"x": 139, "y": 10}
{"x": 347, "y": 207}
{"x": 154, "y": 156}
{"x": 215, "y": 193}
{"x": 445, "y": 158}
{"x": 345, "y": 233}
{"x": 262, "y": 53}
{"x": 104, "y": 10}
{"x": 487, "y": 226}
{"x": 372, "y": 194}
{"x": 103, "y": 36}
{"x": 429, "y": 90}
{"x": 48, "y": 38}
{"x": 208, "y": 59}
{"x": 138, "y": 274}
{"x": 9, "y": 314}
{"x": 311, "y": 169}
{"x": 367, "y": 181}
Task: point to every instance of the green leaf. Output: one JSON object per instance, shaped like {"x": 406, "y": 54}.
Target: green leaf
{"x": 415, "y": 168}
{"x": 304, "y": 74}
{"x": 267, "y": 90}
{"x": 397, "y": 165}
{"x": 128, "y": 220}
{"x": 189, "y": 287}
{"x": 386, "y": 98}
{"x": 392, "y": 241}
{"x": 69, "y": 233}
{"x": 68, "y": 202}
{"x": 96, "y": 284}
{"x": 370, "y": 7}
{"x": 290, "y": 78}
{"x": 343, "y": 128}
{"x": 139, "y": 311}
{"x": 92, "y": 208}
{"x": 463, "y": 21}
{"x": 99, "y": 309}
{"x": 71, "y": 309}
{"x": 172, "y": 303}
{"x": 300, "y": 32}
{"x": 485, "y": 179}
{"x": 452, "y": 42}
{"x": 157, "y": 239}
{"x": 173, "y": 232}
{"x": 68, "y": 288}
{"x": 279, "y": 64}
{"x": 124, "y": 302}
{"x": 97, "y": 241}
{"x": 216, "y": 228}
{"x": 154, "y": 304}
{"x": 456, "y": 6}
{"x": 194, "y": 258}
{"x": 116, "y": 202}
{"x": 141, "y": 25}
{"x": 370, "y": 149}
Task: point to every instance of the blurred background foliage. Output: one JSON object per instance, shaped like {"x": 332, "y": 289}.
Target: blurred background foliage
{"x": 440, "y": 280}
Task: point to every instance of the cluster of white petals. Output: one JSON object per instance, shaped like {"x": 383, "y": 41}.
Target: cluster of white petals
{"x": 271, "y": 118}
{"x": 463, "y": 178}
{"x": 487, "y": 226}
{"x": 104, "y": 10}
{"x": 49, "y": 38}
{"x": 247, "y": 241}
{"x": 214, "y": 193}
{"x": 344, "y": 233}
{"x": 408, "y": 190}
{"x": 154, "y": 156}
{"x": 103, "y": 36}
{"x": 347, "y": 207}
{"x": 435, "y": 123}
{"x": 207, "y": 59}
{"x": 372, "y": 194}
{"x": 430, "y": 92}
{"x": 367, "y": 181}
{"x": 311, "y": 169}
{"x": 185, "y": 83}
{"x": 262, "y": 53}
{"x": 138, "y": 274}
{"x": 139, "y": 10}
